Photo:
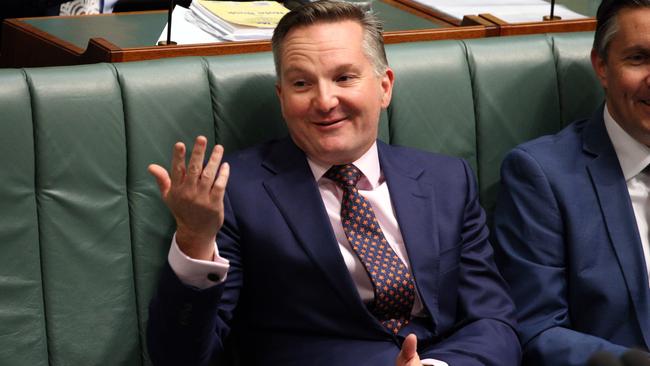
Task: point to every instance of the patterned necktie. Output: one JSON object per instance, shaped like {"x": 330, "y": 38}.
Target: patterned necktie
{"x": 392, "y": 283}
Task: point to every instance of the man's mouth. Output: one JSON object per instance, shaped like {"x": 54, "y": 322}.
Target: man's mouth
{"x": 329, "y": 122}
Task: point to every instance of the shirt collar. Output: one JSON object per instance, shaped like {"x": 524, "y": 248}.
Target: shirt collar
{"x": 368, "y": 163}
{"x": 632, "y": 155}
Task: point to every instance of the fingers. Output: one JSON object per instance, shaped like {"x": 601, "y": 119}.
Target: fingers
{"x": 209, "y": 181}
{"x": 162, "y": 178}
{"x": 195, "y": 167}
{"x": 408, "y": 355}
{"x": 210, "y": 170}
{"x": 194, "y": 195}
{"x": 219, "y": 186}
{"x": 410, "y": 346}
{"x": 178, "y": 163}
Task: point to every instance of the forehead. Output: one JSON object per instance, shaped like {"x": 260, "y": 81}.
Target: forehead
{"x": 322, "y": 39}
{"x": 633, "y": 28}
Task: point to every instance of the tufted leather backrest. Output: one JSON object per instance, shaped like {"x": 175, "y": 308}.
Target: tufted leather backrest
{"x": 83, "y": 231}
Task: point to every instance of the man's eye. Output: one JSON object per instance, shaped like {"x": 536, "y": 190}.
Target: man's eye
{"x": 299, "y": 83}
{"x": 638, "y": 58}
{"x": 344, "y": 78}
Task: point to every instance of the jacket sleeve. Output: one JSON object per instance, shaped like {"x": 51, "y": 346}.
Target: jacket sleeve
{"x": 188, "y": 326}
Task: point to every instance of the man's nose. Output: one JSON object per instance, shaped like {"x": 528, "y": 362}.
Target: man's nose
{"x": 326, "y": 98}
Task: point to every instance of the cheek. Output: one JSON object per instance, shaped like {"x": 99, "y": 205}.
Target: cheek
{"x": 627, "y": 83}
{"x": 293, "y": 107}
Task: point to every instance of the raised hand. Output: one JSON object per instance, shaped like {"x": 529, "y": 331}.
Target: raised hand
{"x": 194, "y": 195}
{"x": 408, "y": 356}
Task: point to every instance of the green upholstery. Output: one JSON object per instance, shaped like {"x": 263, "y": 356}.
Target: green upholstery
{"x": 432, "y": 107}
{"x": 83, "y": 216}
{"x": 243, "y": 118}
{"x": 571, "y": 55}
{"x": 84, "y": 232}
{"x": 22, "y": 330}
{"x": 513, "y": 104}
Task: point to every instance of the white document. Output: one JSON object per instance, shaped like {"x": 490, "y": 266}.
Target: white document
{"x": 185, "y": 31}
{"x": 512, "y": 11}
{"x": 222, "y": 29}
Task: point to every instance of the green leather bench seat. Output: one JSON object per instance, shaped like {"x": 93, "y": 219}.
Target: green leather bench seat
{"x": 84, "y": 232}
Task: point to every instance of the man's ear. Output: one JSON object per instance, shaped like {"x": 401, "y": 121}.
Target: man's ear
{"x": 278, "y": 89}
{"x": 387, "y": 81}
{"x": 600, "y": 67}
{"x": 278, "y": 92}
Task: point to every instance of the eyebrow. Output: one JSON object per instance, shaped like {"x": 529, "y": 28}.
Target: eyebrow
{"x": 338, "y": 70}
{"x": 636, "y": 48}
{"x": 294, "y": 69}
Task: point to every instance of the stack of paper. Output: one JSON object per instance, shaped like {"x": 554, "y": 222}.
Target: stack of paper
{"x": 184, "y": 31}
{"x": 237, "y": 21}
{"x": 512, "y": 11}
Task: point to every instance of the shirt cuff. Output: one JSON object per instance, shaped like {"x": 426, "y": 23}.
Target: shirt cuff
{"x": 197, "y": 273}
{"x": 432, "y": 362}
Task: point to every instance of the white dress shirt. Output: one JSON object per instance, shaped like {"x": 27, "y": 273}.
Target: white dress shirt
{"x": 633, "y": 157}
{"x": 372, "y": 186}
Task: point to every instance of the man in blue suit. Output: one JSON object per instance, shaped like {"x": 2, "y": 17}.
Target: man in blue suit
{"x": 571, "y": 222}
{"x": 331, "y": 248}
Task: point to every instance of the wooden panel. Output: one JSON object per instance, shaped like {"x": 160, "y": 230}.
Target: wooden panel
{"x": 26, "y": 46}
{"x": 549, "y": 26}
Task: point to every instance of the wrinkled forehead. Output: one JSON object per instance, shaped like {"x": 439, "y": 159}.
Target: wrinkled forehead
{"x": 322, "y": 28}
{"x": 324, "y": 39}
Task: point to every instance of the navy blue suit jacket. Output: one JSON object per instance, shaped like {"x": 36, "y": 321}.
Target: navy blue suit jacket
{"x": 568, "y": 244}
{"x": 289, "y": 299}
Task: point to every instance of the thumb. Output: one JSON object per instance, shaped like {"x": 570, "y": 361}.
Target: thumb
{"x": 409, "y": 351}
{"x": 162, "y": 178}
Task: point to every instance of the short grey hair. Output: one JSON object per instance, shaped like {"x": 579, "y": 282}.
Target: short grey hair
{"x": 330, "y": 11}
{"x": 608, "y": 24}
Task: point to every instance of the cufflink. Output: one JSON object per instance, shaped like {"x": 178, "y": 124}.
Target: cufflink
{"x": 213, "y": 277}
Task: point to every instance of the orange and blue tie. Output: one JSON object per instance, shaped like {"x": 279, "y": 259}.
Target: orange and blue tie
{"x": 393, "y": 285}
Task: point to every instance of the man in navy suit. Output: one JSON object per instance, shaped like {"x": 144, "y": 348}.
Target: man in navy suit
{"x": 311, "y": 266}
{"x": 571, "y": 222}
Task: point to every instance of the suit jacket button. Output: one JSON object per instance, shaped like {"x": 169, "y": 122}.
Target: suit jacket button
{"x": 213, "y": 277}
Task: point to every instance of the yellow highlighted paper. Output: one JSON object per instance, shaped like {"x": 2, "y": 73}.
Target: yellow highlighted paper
{"x": 258, "y": 14}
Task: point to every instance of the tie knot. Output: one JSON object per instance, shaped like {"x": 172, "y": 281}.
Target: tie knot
{"x": 344, "y": 175}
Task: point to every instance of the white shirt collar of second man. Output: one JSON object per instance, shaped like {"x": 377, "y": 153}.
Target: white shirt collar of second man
{"x": 632, "y": 155}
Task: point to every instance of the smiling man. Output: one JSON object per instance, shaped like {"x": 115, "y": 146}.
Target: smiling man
{"x": 572, "y": 218}
{"x": 332, "y": 248}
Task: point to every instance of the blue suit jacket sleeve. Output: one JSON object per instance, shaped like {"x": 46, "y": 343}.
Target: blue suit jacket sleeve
{"x": 188, "y": 326}
{"x": 530, "y": 233}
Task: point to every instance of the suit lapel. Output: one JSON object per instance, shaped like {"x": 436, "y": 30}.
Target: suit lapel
{"x": 617, "y": 211}
{"x": 413, "y": 204}
{"x": 295, "y": 192}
